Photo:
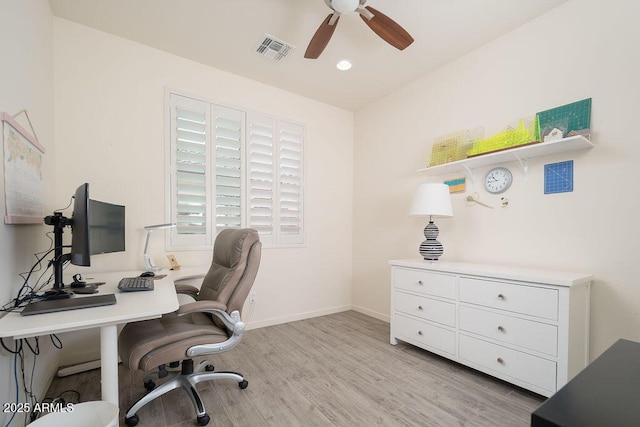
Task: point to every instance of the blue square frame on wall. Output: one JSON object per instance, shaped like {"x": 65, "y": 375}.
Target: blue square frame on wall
{"x": 558, "y": 177}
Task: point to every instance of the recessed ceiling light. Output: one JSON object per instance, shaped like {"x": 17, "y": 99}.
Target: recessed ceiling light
{"x": 343, "y": 65}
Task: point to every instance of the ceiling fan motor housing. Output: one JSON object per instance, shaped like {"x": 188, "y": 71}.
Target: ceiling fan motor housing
{"x": 345, "y": 6}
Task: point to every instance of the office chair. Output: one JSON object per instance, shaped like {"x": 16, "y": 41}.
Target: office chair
{"x": 210, "y": 324}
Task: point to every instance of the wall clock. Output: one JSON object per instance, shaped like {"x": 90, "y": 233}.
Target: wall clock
{"x": 498, "y": 180}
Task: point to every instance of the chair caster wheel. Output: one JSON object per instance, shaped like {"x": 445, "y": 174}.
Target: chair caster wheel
{"x": 243, "y": 384}
{"x": 132, "y": 421}
{"x": 203, "y": 420}
{"x": 209, "y": 368}
{"x": 149, "y": 385}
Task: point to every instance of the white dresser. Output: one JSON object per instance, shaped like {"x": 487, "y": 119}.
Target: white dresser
{"x": 529, "y": 327}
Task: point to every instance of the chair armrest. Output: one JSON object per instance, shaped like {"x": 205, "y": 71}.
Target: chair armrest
{"x": 200, "y": 306}
{"x": 192, "y": 291}
{"x": 231, "y": 321}
{"x": 190, "y": 277}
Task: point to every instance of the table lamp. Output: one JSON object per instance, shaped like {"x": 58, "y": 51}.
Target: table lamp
{"x": 432, "y": 200}
{"x": 148, "y": 262}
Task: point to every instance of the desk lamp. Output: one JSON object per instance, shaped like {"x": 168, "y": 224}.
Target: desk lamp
{"x": 148, "y": 262}
{"x": 432, "y": 200}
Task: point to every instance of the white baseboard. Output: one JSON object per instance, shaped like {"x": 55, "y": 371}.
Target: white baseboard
{"x": 80, "y": 367}
{"x": 44, "y": 386}
{"x": 294, "y": 317}
{"x": 317, "y": 313}
{"x": 374, "y": 314}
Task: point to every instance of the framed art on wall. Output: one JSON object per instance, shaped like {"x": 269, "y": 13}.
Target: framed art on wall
{"x": 23, "y": 181}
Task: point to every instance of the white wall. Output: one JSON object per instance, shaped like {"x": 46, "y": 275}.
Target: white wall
{"x": 583, "y": 49}
{"x": 110, "y": 132}
{"x": 26, "y": 82}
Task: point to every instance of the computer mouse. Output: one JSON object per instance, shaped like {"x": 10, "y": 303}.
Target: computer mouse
{"x": 148, "y": 274}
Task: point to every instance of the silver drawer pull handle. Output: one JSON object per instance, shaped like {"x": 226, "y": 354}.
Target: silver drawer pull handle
{"x": 500, "y": 296}
{"x": 419, "y": 332}
{"x": 500, "y": 360}
{"x": 420, "y": 282}
{"x": 420, "y": 307}
{"x": 500, "y": 328}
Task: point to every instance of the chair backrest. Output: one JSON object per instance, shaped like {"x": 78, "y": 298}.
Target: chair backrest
{"x": 236, "y": 258}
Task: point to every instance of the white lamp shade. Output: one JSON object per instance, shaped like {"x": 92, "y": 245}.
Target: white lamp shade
{"x": 432, "y": 200}
{"x": 148, "y": 262}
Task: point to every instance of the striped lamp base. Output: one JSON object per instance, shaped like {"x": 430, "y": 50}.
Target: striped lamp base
{"x": 431, "y": 249}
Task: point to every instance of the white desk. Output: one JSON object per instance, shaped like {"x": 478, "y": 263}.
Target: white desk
{"x": 130, "y": 307}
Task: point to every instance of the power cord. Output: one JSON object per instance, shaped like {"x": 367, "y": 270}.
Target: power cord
{"x": 30, "y": 406}
{"x": 19, "y": 354}
{"x": 25, "y": 294}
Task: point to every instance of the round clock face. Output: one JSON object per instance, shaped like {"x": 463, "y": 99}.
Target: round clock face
{"x": 498, "y": 180}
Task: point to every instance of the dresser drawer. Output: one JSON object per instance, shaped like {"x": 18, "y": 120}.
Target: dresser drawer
{"x": 530, "y": 300}
{"x": 527, "y": 334}
{"x": 512, "y": 363}
{"x": 424, "y": 334}
{"x": 426, "y": 308}
{"x": 440, "y": 285}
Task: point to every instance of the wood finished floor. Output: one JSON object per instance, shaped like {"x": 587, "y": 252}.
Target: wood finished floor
{"x": 336, "y": 370}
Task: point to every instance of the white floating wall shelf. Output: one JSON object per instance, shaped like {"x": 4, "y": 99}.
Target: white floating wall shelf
{"x": 521, "y": 154}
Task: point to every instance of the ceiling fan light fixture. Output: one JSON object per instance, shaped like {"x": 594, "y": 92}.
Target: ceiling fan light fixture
{"x": 344, "y": 65}
{"x": 345, "y": 6}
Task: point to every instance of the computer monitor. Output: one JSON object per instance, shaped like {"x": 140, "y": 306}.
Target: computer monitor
{"x": 96, "y": 227}
{"x": 80, "y": 249}
{"x": 106, "y": 227}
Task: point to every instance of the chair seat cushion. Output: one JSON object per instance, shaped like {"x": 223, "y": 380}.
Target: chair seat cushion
{"x": 148, "y": 344}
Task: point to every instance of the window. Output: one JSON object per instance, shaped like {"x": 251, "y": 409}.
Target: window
{"x": 275, "y": 179}
{"x": 232, "y": 168}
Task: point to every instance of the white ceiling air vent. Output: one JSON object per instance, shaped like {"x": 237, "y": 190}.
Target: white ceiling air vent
{"x": 273, "y": 48}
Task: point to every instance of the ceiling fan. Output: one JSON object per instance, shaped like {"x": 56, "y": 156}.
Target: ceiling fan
{"x": 382, "y": 25}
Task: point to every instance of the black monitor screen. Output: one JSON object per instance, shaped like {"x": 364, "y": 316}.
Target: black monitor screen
{"x": 80, "y": 254}
{"x": 106, "y": 227}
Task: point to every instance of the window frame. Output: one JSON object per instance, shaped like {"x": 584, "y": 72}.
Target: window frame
{"x": 278, "y": 239}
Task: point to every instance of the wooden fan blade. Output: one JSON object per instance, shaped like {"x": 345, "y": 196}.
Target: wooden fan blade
{"x": 388, "y": 29}
{"x": 321, "y": 38}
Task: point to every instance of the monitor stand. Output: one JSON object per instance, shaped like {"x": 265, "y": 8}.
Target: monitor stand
{"x": 58, "y": 222}
{"x": 56, "y": 294}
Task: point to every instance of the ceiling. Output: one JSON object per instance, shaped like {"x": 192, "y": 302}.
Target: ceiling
{"x": 225, "y": 33}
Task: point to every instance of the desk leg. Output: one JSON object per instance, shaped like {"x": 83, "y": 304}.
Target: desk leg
{"x": 109, "y": 363}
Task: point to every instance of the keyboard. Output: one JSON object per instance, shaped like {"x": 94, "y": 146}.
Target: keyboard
{"x": 74, "y": 303}
{"x": 133, "y": 284}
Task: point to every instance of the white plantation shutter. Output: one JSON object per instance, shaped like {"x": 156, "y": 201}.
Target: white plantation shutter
{"x": 190, "y": 178}
{"x": 228, "y": 168}
{"x": 290, "y": 137}
{"x": 229, "y": 147}
{"x": 275, "y": 179}
{"x": 262, "y": 176}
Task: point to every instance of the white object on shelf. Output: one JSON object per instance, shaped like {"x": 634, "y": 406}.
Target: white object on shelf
{"x": 526, "y": 326}
{"x": 554, "y": 135}
{"x": 521, "y": 154}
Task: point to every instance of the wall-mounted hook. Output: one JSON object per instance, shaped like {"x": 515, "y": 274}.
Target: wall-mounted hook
{"x": 474, "y": 199}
